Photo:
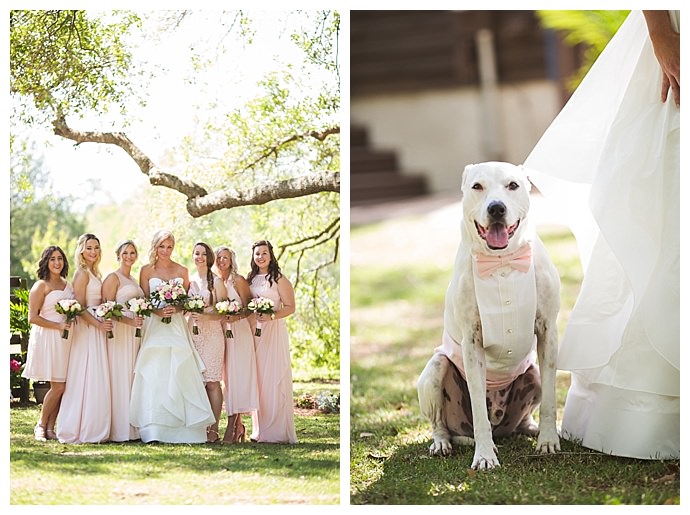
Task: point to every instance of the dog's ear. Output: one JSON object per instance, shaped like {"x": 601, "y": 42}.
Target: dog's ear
{"x": 464, "y": 176}
{"x": 528, "y": 183}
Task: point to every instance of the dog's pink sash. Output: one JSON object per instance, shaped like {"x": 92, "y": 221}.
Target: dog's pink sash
{"x": 494, "y": 380}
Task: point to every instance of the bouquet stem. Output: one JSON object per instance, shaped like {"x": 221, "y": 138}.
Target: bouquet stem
{"x": 195, "y": 329}
{"x": 166, "y": 320}
{"x": 228, "y": 331}
{"x": 258, "y": 329}
{"x": 65, "y": 334}
{"x": 109, "y": 334}
{"x": 137, "y": 333}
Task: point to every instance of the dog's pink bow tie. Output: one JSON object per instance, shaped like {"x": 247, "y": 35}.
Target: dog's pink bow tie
{"x": 520, "y": 260}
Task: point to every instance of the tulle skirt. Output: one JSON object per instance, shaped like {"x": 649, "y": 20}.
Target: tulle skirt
{"x": 169, "y": 402}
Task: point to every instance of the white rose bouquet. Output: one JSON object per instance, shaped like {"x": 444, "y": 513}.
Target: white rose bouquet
{"x": 141, "y": 307}
{"x": 229, "y": 307}
{"x": 71, "y": 309}
{"x": 194, "y": 304}
{"x": 261, "y": 305}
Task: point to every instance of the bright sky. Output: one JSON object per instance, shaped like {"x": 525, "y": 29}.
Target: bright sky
{"x": 170, "y": 111}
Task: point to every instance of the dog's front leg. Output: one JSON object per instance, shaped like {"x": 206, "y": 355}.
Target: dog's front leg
{"x": 432, "y": 403}
{"x": 475, "y": 370}
{"x": 547, "y": 350}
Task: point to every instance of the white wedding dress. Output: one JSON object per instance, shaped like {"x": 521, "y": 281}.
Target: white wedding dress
{"x": 169, "y": 402}
{"x": 610, "y": 163}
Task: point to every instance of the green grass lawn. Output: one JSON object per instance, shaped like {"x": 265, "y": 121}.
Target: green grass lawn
{"x": 138, "y": 473}
{"x": 396, "y": 321}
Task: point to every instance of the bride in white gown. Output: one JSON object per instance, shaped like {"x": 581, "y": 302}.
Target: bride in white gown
{"x": 610, "y": 162}
{"x": 169, "y": 401}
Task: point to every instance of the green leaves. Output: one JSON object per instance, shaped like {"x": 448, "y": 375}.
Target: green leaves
{"x": 68, "y": 61}
{"x": 593, "y": 29}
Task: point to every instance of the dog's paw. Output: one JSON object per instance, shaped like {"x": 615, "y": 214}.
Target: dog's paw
{"x": 485, "y": 457}
{"x": 485, "y": 462}
{"x": 548, "y": 442}
{"x": 440, "y": 447}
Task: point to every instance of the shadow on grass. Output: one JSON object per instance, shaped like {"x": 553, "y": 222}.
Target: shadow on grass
{"x": 315, "y": 456}
{"x": 409, "y": 475}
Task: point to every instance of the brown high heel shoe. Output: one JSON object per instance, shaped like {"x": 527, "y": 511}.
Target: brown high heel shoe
{"x": 209, "y": 433}
{"x": 240, "y": 430}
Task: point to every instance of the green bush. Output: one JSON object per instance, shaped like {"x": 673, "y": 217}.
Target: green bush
{"x": 19, "y": 312}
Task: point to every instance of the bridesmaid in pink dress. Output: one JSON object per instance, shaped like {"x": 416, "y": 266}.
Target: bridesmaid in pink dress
{"x": 85, "y": 410}
{"x": 210, "y": 342}
{"x": 120, "y": 286}
{"x": 274, "y": 420}
{"x": 48, "y": 352}
{"x": 239, "y": 377}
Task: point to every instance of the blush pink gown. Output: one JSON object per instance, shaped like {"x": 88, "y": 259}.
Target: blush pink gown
{"x": 241, "y": 387}
{"x": 274, "y": 420}
{"x": 210, "y": 342}
{"x": 85, "y": 412}
{"x": 122, "y": 354}
{"x": 48, "y": 353}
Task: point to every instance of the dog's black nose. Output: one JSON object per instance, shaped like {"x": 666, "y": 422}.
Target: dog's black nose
{"x": 497, "y": 210}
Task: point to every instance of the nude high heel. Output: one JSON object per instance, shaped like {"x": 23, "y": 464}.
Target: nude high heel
{"x": 240, "y": 430}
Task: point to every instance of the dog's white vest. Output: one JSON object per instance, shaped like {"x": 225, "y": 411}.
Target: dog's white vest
{"x": 507, "y": 301}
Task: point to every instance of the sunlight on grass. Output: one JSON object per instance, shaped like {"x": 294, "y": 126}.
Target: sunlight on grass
{"x": 137, "y": 473}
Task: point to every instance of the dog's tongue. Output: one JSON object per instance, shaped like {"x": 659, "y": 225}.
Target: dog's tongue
{"x": 497, "y": 236}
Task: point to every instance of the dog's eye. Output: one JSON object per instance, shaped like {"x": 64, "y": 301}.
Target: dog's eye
{"x": 477, "y": 186}
{"x": 513, "y": 186}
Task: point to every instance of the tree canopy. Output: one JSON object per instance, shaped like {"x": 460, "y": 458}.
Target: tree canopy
{"x": 65, "y": 63}
{"x": 264, "y": 168}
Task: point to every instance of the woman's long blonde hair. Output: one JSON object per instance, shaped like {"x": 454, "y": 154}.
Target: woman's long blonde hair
{"x": 159, "y": 238}
{"x": 79, "y": 258}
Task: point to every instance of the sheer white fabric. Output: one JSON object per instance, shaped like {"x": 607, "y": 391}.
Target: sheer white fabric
{"x": 610, "y": 162}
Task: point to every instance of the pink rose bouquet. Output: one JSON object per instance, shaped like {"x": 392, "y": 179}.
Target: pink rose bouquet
{"x": 260, "y": 305}
{"x": 170, "y": 293}
{"x": 108, "y": 310}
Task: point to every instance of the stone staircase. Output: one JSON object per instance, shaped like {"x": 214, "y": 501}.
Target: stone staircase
{"x": 375, "y": 176}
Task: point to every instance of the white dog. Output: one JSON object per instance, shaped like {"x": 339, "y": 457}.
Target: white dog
{"x": 501, "y": 304}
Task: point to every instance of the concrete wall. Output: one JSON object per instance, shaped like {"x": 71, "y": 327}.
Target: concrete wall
{"x": 438, "y": 133}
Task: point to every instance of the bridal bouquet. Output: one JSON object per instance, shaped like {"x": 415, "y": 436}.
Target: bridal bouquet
{"x": 108, "y": 310}
{"x": 260, "y": 305}
{"x": 71, "y": 309}
{"x": 171, "y": 293}
{"x": 194, "y": 304}
{"x": 141, "y": 307}
{"x": 229, "y": 307}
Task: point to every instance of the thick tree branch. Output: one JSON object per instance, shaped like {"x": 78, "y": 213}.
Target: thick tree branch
{"x": 287, "y": 188}
{"x": 147, "y": 167}
{"x": 199, "y": 201}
